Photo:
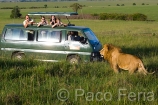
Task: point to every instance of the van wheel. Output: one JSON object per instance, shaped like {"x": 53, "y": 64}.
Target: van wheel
{"x": 18, "y": 56}
{"x": 73, "y": 59}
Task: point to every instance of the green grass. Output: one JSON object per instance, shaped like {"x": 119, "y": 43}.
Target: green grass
{"x": 28, "y": 82}
{"x": 38, "y": 83}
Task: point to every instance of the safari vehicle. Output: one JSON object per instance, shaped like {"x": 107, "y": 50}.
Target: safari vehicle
{"x": 49, "y": 44}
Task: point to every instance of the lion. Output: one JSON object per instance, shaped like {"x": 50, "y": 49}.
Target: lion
{"x": 118, "y": 59}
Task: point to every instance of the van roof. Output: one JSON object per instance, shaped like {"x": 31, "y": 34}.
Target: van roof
{"x": 53, "y": 13}
{"x": 47, "y": 26}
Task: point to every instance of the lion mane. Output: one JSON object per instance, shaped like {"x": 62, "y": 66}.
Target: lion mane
{"x": 118, "y": 59}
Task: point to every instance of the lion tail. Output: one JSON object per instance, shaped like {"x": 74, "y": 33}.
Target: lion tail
{"x": 143, "y": 70}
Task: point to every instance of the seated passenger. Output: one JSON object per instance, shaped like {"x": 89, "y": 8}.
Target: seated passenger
{"x": 76, "y": 36}
{"x": 52, "y": 20}
{"x": 43, "y": 34}
{"x": 73, "y": 35}
{"x": 58, "y": 23}
{"x": 27, "y": 21}
{"x": 42, "y": 22}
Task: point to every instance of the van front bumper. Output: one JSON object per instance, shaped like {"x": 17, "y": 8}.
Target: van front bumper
{"x": 95, "y": 56}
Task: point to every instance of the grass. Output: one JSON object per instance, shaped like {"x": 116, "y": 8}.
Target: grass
{"x": 28, "y": 82}
{"x": 33, "y": 82}
{"x": 39, "y": 83}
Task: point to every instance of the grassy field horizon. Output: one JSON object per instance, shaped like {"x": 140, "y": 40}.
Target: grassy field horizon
{"x": 150, "y": 8}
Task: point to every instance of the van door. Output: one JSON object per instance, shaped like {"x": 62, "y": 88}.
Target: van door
{"x": 74, "y": 45}
{"x": 49, "y": 45}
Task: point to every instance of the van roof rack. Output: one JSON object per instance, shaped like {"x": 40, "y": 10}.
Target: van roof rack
{"x": 53, "y": 13}
{"x": 66, "y": 14}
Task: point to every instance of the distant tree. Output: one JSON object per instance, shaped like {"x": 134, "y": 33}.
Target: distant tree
{"x": 134, "y": 3}
{"x": 15, "y": 13}
{"x": 45, "y": 6}
{"x": 76, "y": 7}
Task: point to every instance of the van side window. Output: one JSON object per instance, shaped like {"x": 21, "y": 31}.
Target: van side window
{"x": 42, "y": 35}
{"x": 12, "y": 34}
{"x": 8, "y": 34}
{"x": 76, "y": 36}
{"x": 49, "y": 36}
{"x": 19, "y": 34}
{"x": 23, "y": 35}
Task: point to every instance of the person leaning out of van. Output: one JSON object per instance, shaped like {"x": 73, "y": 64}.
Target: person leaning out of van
{"x": 42, "y": 22}
{"x": 27, "y": 21}
{"x": 52, "y": 20}
{"x": 58, "y": 23}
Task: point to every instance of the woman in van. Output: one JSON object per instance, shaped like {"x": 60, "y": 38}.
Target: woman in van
{"x": 27, "y": 21}
{"x": 58, "y": 23}
{"x": 42, "y": 22}
{"x": 52, "y": 20}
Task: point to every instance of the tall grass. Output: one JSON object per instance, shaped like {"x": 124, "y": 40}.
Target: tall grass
{"x": 32, "y": 82}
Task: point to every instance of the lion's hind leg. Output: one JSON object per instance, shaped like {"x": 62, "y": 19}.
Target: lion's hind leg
{"x": 131, "y": 71}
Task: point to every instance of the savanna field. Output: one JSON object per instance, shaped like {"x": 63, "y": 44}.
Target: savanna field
{"x": 30, "y": 82}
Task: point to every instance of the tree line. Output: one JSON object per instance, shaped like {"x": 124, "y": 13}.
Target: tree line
{"x": 15, "y": 13}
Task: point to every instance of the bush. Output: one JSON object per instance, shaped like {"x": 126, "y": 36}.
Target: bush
{"x": 64, "y": 7}
{"x": 15, "y": 13}
{"x": 103, "y": 16}
{"x": 56, "y": 7}
{"x": 134, "y": 3}
{"x": 116, "y": 16}
{"x": 95, "y": 14}
{"x": 139, "y": 17}
{"x": 7, "y": 8}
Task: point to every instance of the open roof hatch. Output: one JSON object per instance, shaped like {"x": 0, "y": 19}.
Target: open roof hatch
{"x": 55, "y": 14}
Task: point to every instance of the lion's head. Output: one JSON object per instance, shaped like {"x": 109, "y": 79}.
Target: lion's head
{"x": 108, "y": 50}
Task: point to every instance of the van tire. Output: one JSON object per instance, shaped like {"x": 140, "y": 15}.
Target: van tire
{"x": 18, "y": 56}
{"x": 73, "y": 59}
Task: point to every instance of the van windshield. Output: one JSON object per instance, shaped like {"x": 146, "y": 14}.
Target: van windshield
{"x": 91, "y": 36}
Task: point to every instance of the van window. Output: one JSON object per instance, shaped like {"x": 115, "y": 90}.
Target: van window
{"x": 19, "y": 34}
{"x": 49, "y": 36}
{"x": 73, "y": 35}
{"x": 76, "y": 36}
{"x": 12, "y": 34}
{"x": 8, "y": 34}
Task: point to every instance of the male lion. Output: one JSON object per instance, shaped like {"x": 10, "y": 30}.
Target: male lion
{"x": 117, "y": 60}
